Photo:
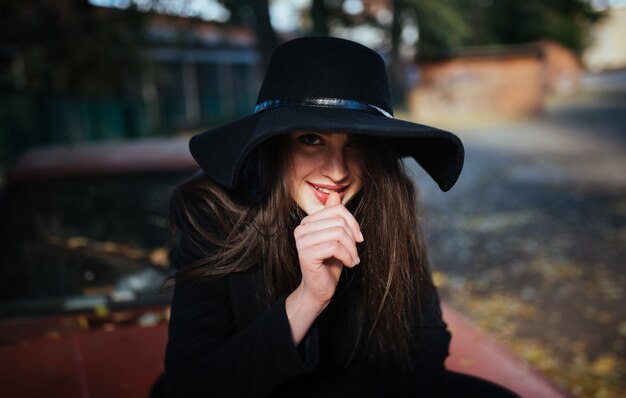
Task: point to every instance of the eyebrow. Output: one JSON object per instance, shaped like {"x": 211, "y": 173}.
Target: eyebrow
{"x": 313, "y": 132}
{"x": 325, "y": 134}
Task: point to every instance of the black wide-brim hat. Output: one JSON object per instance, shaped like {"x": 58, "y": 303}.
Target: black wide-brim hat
{"x": 325, "y": 85}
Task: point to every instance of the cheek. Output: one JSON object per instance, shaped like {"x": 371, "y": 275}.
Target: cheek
{"x": 295, "y": 174}
{"x": 302, "y": 165}
{"x": 357, "y": 168}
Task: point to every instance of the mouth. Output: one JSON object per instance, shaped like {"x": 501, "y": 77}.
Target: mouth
{"x": 323, "y": 191}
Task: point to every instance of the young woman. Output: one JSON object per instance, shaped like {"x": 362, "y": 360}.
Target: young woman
{"x": 301, "y": 269}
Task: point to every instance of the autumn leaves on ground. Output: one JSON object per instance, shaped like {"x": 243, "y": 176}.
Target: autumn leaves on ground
{"x": 531, "y": 243}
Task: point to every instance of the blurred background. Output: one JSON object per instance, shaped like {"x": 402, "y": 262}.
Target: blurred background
{"x": 530, "y": 244}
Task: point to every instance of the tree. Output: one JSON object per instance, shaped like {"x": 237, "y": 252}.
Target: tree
{"x": 442, "y": 25}
{"x": 521, "y": 21}
{"x": 319, "y": 14}
{"x": 70, "y": 47}
{"x": 256, "y": 14}
{"x": 448, "y": 25}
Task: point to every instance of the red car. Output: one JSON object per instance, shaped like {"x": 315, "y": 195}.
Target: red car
{"x": 84, "y": 240}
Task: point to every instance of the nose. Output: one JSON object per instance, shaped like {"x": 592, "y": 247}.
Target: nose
{"x": 335, "y": 166}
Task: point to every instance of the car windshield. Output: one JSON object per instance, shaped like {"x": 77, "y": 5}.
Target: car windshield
{"x": 78, "y": 243}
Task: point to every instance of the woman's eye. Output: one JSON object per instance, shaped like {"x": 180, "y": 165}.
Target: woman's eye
{"x": 310, "y": 139}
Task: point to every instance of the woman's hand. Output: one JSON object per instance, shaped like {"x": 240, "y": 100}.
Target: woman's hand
{"x": 326, "y": 241}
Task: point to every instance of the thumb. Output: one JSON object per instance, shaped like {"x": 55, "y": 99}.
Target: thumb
{"x": 333, "y": 200}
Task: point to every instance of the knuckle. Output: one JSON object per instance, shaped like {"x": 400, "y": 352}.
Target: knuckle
{"x": 335, "y": 220}
{"x": 337, "y": 230}
{"x": 298, "y": 230}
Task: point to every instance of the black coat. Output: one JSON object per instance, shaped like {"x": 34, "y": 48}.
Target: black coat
{"x": 224, "y": 342}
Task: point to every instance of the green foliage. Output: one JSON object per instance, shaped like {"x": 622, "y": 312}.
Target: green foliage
{"x": 447, "y": 25}
{"x": 70, "y": 47}
{"x": 256, "y": 15}
{"x": 442, "y": 24}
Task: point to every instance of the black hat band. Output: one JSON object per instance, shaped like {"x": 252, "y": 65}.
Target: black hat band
{"x": 324, "y": 103}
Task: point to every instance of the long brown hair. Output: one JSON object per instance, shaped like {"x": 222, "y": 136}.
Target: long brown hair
{"x": 245, "y": 232}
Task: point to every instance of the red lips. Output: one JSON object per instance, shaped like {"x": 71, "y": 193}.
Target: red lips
{"x": 321, "y": 196}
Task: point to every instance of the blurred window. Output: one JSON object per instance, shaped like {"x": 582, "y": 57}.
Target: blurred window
{"x": 243, "y": 88}
{"x": 171, "y": 96}
{"x": 208, "y": 92}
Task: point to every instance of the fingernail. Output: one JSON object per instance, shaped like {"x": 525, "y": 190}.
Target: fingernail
{"x": 358, "y": 260}
{"x": 361, "y": 236}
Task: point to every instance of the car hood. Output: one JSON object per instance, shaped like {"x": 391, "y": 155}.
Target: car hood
{"x": 64, "y": 357}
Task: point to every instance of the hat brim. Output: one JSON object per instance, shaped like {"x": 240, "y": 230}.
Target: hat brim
{"x": 221, "y": 152}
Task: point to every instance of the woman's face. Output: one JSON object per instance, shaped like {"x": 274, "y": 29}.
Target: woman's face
{"x": 320, "y": 164}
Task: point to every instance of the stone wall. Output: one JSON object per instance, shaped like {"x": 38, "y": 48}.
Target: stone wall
{"x": 562, "y": 68}
{"x": 500, "y": 82}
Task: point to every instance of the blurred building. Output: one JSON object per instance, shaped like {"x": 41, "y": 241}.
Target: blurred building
{"x": 211, "y": 79}
{"x": 608, "y": 44}
{"x": 500, "y": 81}
{"x": 196, "y": 74}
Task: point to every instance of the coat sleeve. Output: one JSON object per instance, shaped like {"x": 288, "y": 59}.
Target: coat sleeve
{"x": 431, "y": 337}
{"x": 370, "y": 377}
{"x": 207, "y": 356}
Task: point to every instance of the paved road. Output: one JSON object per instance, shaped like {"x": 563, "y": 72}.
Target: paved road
{"x": 531, "y": 243}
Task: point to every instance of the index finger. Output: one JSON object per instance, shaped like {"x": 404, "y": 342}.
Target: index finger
{"x": 334, "y": 211}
